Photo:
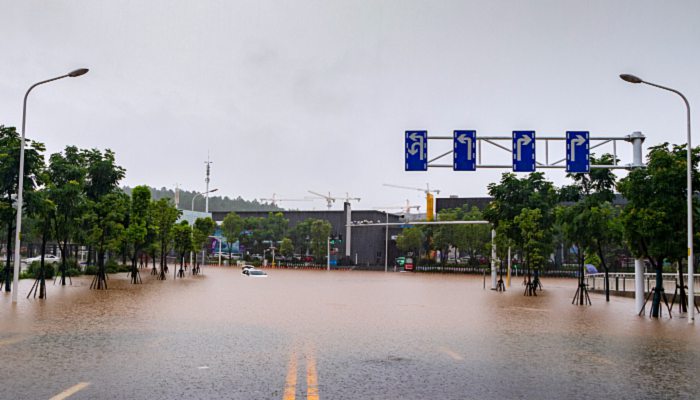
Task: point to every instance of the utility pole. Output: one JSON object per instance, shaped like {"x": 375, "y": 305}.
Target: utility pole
{"x": 206, "y": 204}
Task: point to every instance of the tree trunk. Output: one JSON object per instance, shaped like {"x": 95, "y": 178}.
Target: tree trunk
{"x": 7, "y": 276}
{"x": 684, "y": 299}
{"x": 656, "y": 302}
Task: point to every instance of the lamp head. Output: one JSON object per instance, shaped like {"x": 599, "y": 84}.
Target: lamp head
{"x": 78, "y": 72}
{"x": 630, "y": 78}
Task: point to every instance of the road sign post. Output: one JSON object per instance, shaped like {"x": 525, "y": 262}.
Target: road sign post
{"x": 577, "y": 152}
{"x": 524, "y": 151}
{"x": 416, "y": 150}
{"x": 464, "y": 151}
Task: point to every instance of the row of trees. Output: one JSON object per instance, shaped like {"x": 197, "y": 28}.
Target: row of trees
{"x": 259, "y": 233}
{"x": 74, "y": 199}
{"x": 532, "y": 216}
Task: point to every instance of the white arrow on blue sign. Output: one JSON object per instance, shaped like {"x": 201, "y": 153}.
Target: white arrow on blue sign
{"x": 523, "y": 151}
{"x": 464, "y": 151}
{"x": 416, "y": 150}
{"x": 577, "y": 152}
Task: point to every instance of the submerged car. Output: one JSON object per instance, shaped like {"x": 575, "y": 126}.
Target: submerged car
{"x": 254, "y": 273}
{"x": 48, "y": 259}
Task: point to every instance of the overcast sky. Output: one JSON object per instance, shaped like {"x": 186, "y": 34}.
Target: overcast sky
{"x": 290, "y": 96}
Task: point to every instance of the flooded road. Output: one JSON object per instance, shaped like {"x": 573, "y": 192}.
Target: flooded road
{"x": 337, "y": 335}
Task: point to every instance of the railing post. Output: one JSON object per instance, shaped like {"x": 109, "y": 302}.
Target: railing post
{"x": 638, "y": 284}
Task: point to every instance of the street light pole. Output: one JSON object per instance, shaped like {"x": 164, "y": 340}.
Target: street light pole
{"x": 192, "y": 209}
{"x": 689, "y": 195}
{"x": 18, "y": 223}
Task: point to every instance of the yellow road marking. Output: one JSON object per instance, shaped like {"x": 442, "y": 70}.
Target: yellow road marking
{"x": 451, "y": 353}
{"x": 311, "y": 377}
{"x": 290, "y": 387}
{"x": 70, "y": 391}
{"x": 12, "y": 340}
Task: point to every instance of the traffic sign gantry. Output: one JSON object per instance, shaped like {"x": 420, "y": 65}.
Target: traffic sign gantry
{"x": 524, "y": 151}
{"x": 464, "y": 151}
{"x": 577, "y": 152}
{"x": 416, "y": 150}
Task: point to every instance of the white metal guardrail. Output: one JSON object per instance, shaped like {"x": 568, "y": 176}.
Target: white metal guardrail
{"x": 624, "y": 281}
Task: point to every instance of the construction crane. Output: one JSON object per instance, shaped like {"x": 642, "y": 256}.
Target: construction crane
{"x": 274, "y": 199}
{"x": 348, "y": 215}
{"x": 406, "y": 208}
{"x": 330, "y": 199}
{"x": 429, "y": 198}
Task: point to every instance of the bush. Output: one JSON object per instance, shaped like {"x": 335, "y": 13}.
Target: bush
{"x": 73, "y": 272}
{"x": 90, "y": 270}
{"x": 34, "y": 268}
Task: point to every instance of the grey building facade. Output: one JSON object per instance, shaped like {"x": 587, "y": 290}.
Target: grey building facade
{"x": 367, "y": 243}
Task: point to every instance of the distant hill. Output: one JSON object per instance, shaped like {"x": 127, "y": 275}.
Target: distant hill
{"x": 216, "y": 203}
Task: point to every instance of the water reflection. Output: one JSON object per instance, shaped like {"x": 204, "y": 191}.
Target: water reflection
{"x": 369, "y": 335}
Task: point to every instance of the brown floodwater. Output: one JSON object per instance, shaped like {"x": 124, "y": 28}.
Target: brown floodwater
{"x": 338, "y": 335}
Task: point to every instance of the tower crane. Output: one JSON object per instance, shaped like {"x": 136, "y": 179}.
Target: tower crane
{"x": 274, "y": 199}
{"x": 429, "y": 198}
{"x": 406, "y": 208}
{"x": 348, "y": 215}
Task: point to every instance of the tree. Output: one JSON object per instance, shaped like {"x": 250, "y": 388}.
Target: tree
{"x": 592, "y": 223}
{"x": 287, "y": 247}
{"x": 202, "y": 229}
{"x": 136, "y": 234}
{"x": 65, "y": 185}
{"x": 320, "y": 232}
{"x": 410, "y": 239}
{"x": 164, "y": 217}
{"x": 43, "y": 210}
{"x": 231, "y": 227}
{"x": 182, "y": 242}
{"x": 105, "y": 219}
{"x": 654, "y": 219}
{"x": 107, "y": 206}
{"x": 512, "y": 197}
{"x": 9, "y": 178}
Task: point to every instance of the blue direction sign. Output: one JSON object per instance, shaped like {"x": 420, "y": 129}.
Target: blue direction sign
{"x": 464, "y": 151}
{"x": 416, "y": 150}
{"x": 524, "y": 151}
{"x": 577, "y": 152}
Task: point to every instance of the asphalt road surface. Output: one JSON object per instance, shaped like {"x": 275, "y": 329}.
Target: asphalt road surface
{"x": 337, "y": 335}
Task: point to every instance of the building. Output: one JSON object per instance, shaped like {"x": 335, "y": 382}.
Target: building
{"x": 367, "y": 243}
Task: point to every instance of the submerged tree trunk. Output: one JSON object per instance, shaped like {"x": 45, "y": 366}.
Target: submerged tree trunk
{"x": 7, "y": 275}
{"x": 656, "y": 301}
{"x": 100, "y": 280}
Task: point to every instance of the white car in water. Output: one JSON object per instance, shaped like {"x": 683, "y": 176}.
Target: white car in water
{"x": 48, "y": 259}
{"x": 254, "y": 273}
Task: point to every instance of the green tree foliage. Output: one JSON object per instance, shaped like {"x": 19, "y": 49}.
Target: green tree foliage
{"x": 231, "y": 228}
{"x": 164, "y": 216}
{"x": 654, "y": 220}
{"x": 512, "y": 196}
{"x": 287, "y": 247}
{"x": 410, "y": 240}
{"x": 592, "y": 223}
{"x": 10, "y": 141}
{"x": 107, "y": 207}
{"x": 202, "y": 229}
{"x": 66, "y": 174}
{"x": 320, "y": 231}
{"x": 182, "y": 241}
{"x": 218, "y": 203}
{"x": 138, "y": 224}
{"x": 471, "y": 238}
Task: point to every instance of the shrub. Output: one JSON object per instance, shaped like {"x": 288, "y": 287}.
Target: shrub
{"x": 73, "y": 272}
{"x": 34, "y": 268}
{"x": 90, "y": 270}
